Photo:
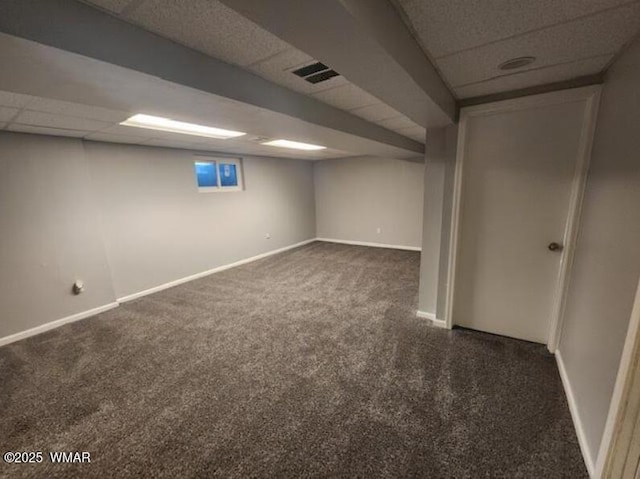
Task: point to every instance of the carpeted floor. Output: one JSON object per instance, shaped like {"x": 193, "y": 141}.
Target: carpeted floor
{"x": 310, "y": 363}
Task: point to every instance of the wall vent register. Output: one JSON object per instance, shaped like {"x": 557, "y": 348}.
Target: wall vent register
{"x": 315, "y": 73}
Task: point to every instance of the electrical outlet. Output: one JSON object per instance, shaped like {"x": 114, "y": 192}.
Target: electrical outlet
{"x": 379, "y": 230}
{"x": 268, "y": 236}
{"x": 78, "y": 287}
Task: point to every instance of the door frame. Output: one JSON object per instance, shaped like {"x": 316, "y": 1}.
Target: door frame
{"x": 619, "y": 452}
{"x": 589, "y": 94}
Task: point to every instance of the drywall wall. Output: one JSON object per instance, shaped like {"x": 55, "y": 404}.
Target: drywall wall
{"x": 50, "y": 233}
{"x": 439, "y": 169}
{"x": 125, "y": 219}
{"x": 357, "y": 196}
{"x": 607, "y": 262}
{"x": 158, "y": 228}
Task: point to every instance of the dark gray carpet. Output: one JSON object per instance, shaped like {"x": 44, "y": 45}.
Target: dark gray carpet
{"x": 310, "y": 363}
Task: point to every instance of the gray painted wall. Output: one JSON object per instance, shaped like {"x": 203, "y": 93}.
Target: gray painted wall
{"x": 438, "y": 195}
{"x": 128, "y": 218}
{"x": 607, "y": 262}
{"x": 50, "y": 233}
{"x": 356, "y": 196}
{"x": 159, "y": 228}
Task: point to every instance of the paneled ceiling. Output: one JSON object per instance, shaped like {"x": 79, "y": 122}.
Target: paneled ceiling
{"x": 218, "y": 31}
{"x": 465, "y": 39}
{"x": 468, "y": 39}
{"x": 45, "y": 116}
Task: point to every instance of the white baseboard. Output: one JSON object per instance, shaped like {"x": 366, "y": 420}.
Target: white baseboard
{"x": 438, "y": 323}
{"x": 85, "y": 314}
{"x": 375, "y": 245}
{"x": 56, "y": 324}
{"x": 575, "y": 415}
{"x": 202, "y": 274}
{"x": 92, "y": 312}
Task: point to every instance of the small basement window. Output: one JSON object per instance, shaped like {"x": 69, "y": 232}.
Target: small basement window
{"x": 218, "y": 174}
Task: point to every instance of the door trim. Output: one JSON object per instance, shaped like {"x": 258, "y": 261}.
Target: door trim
{"x": 591, "y": 95}
{"x": 618, "y": 455}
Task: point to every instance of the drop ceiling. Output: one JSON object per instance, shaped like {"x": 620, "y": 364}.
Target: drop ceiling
{"x": 468, "y": 39}
{"x": 53, "y": 92}
{"x": 74, "y": 95}
{"x": 218, "y": 31}
{"x": 69, "y": 94}
{"x": 30, "y": 114}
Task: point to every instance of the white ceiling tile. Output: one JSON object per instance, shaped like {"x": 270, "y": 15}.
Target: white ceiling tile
{"x": 208, "y": 26}
{"x": 378, "y": 112}
{"x": 601, "y": 34}
{"x": 122, "y": 130}
{"x": 186, "y": 145}
{"x": 346, "y": 97}
{"x": 288, "y": 59}
{"x": 397, "y": 123}
{"x": 6, "y": 113}
{"x": 115, "y": 138}
{"x": 278, "y": 70}
{"x": 308, "y": 88}
{"x": 534, "y": 77}
{"x": 251, "y": 148}
{"x": 169, "y": 143}
{"x": 115, "y": 6}
{"x": 447, "y": 26}
{"x": 248, "y": 149}
{"x": 76, "y": 109}
{"x": 305, "y": 155}
{"x": 41, "y": 130}
{"x": 222, "y": 144}
{"x": 168, "y": 135}
{"x": 214, "y": 148}
{"x": 37, "y": 118}
{"x": 16, "y": 100}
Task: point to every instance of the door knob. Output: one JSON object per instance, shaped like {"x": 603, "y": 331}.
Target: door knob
{"x": 554, "y": 246}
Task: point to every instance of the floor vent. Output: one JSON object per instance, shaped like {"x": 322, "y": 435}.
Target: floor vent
{"x": 315, "y": 72}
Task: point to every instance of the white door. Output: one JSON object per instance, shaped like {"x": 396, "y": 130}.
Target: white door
{"x": 517, "y": 176}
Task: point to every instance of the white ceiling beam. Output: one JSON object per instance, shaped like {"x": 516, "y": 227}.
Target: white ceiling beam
{"x": 81, "y": 29}
{"x": 367, "y": 42}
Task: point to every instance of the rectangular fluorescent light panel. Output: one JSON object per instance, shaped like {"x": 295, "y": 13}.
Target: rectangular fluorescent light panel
{"x": 165, "y": 124}
{"x": 294, "y": 145}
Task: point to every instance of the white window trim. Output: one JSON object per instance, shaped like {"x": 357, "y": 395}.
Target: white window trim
{"x": 217, "y": 160}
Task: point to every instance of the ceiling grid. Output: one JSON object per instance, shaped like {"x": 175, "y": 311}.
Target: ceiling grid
{"x": 468, "y": 41}
{"x": 216, "y": 30}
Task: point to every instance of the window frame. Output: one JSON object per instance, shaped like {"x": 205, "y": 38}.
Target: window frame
{"x": 218, "y": 161}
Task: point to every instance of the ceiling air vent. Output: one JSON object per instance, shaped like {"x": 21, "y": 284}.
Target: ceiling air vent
{"x": 315, "y": 72}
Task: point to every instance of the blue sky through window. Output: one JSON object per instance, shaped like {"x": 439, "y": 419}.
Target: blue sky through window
{"x": 206, "y": 174}
{"x": 228, "y": 175}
